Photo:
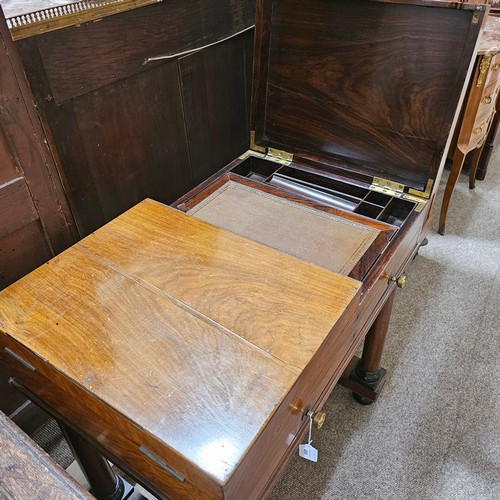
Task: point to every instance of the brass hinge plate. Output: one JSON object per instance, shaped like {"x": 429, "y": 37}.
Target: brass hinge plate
{"x": 254, "y": 146}
{"x": 270, "y": 154}
{"x": 379, "y": 183}
{"x": 279, "y": 156}
{"x": 423, "y": 194}
{"x": 396, "y": 189}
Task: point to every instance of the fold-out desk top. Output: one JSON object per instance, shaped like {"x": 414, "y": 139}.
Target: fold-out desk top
{"x": 191, "y": 332}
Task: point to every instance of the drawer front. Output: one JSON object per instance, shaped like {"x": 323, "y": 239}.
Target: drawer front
{"x": 488, "y": 79}
{"x": 488, "y": 97}
{"x": 482, "y": 126}
{"x": 123, "y": 442}
{"x": 493, "y": 71}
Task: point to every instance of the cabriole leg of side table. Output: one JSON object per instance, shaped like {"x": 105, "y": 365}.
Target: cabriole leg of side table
{"x": 474, "y": 163}
{"x": 364, "y": 375}
{"x": 456, "y": 168}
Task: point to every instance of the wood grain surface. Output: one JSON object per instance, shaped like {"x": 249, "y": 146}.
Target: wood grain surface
{"x": 194, "y": 334}
{"x": 373, "y": 83}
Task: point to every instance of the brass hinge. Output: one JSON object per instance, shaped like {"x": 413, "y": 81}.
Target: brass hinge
{"x": 279, "y": 156}
{"x": 271, "y": 154}
{"x": 423, "y": 194}
{"x": 383, "y": 185}
{"x": 396, "y": 189}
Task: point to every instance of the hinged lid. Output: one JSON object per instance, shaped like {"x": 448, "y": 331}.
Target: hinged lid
{"x": 374, "y": 84}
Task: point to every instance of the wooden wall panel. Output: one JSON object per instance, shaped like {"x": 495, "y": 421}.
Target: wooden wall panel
{"x": 22, "y": 251}
{"x": 122, "y": 144}
{"x": 35, "y": 221}
{"x": 79, "y": 60}
{"x": 121, "y": 131}
{"x": 16, "y": 206}
{"x": 216, "y": 93}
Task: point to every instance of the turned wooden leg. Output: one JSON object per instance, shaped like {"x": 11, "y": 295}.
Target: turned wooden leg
{"x": 365, "y": 376}
{"x": 473, "y": 166}
{"x": 456, "y": 168}
{"x": 104, "y": 483}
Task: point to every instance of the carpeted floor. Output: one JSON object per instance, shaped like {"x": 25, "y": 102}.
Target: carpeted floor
{"x": 434, "y": 434}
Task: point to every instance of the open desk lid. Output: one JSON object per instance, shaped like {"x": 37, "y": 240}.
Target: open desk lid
{"x": 374, "y": 84}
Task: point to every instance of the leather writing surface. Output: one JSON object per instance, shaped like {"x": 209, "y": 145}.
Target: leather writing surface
{"x": 326, "y": 240}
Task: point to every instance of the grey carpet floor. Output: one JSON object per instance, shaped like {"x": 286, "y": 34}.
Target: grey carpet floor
{"x": 434, "y": 433}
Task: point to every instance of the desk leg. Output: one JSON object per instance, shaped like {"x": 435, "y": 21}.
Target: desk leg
{"x": 456, "y": 168}
{"x": 474, "y": 163}
{"x": 365, "y": 376}
{"x": 104, "y": 483}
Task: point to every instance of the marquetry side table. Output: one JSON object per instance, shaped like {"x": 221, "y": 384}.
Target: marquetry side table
{"x": 479, "y": 112}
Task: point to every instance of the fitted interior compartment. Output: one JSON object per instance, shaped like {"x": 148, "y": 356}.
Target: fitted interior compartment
{"x": 256, "y": 169}
{"x": 369, "y": 210}
{"x": 327, "y": 191}
{"x": 396, "y": 211}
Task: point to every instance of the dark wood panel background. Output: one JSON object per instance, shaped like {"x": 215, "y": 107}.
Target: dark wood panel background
{"x": 216, "y": 91}
{"x": 121, "y": 130}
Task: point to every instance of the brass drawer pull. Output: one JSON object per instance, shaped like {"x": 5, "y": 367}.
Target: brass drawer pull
{"x": 487, "y": 99}
{"x": 479, "y": 129}
{"x": 399, "y": 280}
{"x": 496, "y": 66}
{"x": 318, "y": 418}
{"x": 18, "y": 358}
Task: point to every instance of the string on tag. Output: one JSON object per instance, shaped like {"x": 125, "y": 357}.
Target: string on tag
{"x": 309, "y": 439}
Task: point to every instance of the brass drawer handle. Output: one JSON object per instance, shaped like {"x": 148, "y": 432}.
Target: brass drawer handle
{"x": 479, "y": 129}
{"x": 399, "y": 280}
{"x": 487, "y": 99}
{"x": 496, "y": 66}
{"x": 318, "y": 418}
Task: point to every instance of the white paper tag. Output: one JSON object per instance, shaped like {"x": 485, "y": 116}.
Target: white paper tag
{"x": 308, "y": 452}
